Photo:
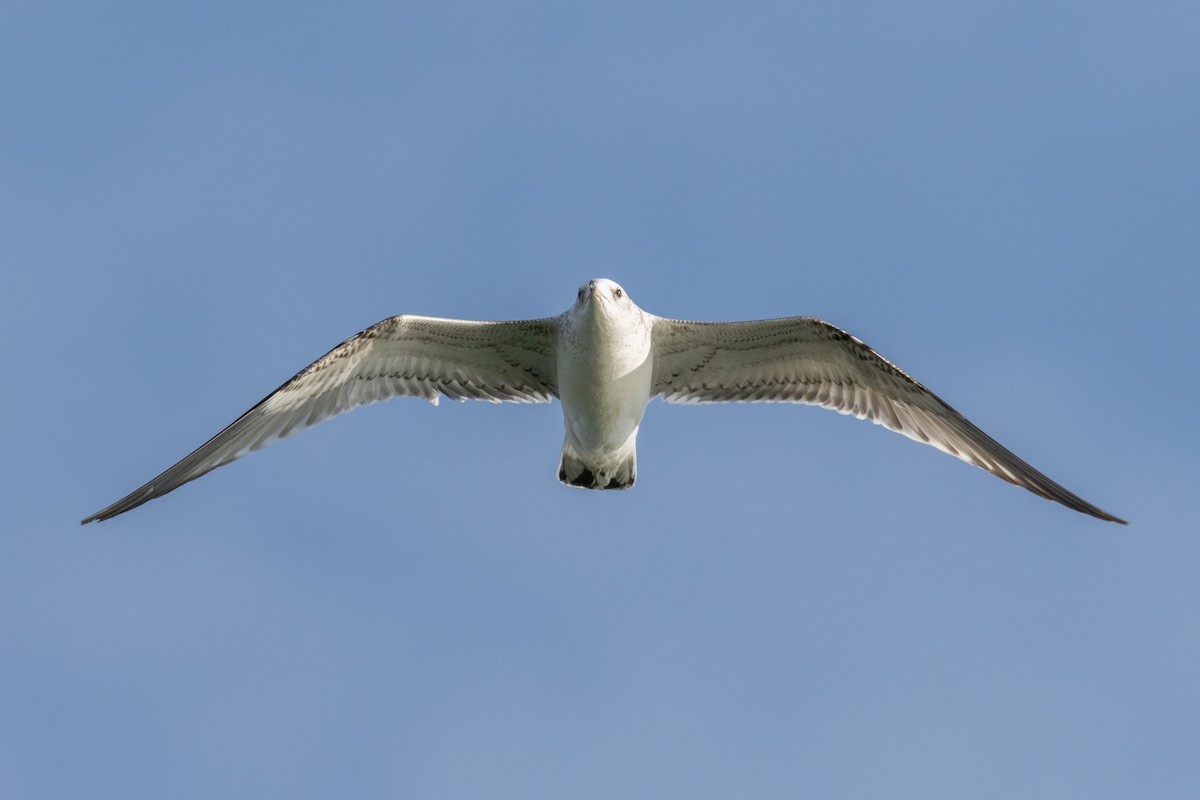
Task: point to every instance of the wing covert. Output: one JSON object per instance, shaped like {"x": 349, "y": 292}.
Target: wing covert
{"x": 807, "y": 360}
{"x": 400, "y": 356}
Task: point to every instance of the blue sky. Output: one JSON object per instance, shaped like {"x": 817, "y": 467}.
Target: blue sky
{"x": 200, "y": 199}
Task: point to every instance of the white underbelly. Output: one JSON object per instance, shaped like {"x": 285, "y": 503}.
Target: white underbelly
{"x": 603, "y": 406}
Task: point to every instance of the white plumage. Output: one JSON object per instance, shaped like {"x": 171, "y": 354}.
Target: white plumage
{"x": 605, "y": 359}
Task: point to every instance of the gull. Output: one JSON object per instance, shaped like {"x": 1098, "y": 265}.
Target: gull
{"x": 605, "y": 358}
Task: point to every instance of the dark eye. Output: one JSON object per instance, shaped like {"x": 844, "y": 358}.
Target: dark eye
{"x": 618, "y": 292}
{"x": 580, "y": 295}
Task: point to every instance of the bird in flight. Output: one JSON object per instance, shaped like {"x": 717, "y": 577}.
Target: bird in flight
{"x": 605, "y": 358}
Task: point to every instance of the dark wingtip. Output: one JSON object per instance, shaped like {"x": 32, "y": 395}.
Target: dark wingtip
{"x": 130, "y": 501}
{"x": 100, "y": 516}
{"x": 1077, "y": 504}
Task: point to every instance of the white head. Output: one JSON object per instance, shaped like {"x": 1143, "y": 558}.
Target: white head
{"x": 603, "y": 295}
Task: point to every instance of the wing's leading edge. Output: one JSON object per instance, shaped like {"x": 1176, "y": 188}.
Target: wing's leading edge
{"x": 400, "y": 356}
{"x": 806, "y": 360}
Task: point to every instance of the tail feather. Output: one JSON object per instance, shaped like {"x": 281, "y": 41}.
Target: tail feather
{"x": 617, "y": 472}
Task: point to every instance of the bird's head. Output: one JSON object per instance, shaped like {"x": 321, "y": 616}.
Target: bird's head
{"x": 603, "y": 296}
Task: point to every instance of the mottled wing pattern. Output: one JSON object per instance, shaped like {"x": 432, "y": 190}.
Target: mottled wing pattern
{"x": 806, "y": 360}
{"x": 406, "y": 355}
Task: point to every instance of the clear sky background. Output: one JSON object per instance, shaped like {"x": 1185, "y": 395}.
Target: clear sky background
{"x": 196, "y": 200}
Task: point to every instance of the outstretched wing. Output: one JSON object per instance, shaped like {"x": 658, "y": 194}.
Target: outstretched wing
{"x": 405, "y": 355}
{"x": 806, "y": 360}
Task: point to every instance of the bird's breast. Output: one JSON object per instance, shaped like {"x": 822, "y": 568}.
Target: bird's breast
{"x": 604, "y": 378}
